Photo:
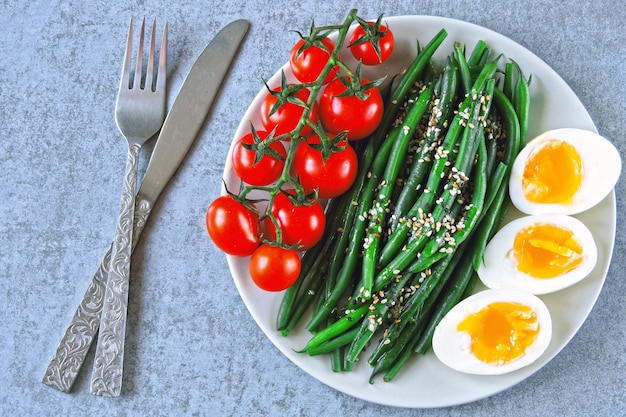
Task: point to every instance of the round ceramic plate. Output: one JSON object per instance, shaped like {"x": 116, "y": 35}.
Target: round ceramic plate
{"x": 424, "y": 382}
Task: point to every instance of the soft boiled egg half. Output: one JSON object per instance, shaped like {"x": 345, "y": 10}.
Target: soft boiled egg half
{"x": 564, "y": 171}
{"x": 539, "y": 254}
{"x": 493, "y": 332}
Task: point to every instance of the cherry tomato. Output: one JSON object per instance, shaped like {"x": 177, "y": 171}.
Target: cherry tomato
{"x": 233, "y": 227}
{"x": 359, "y": 117}
{"x": 308, "y": 64}
{"x": 301, "y": 225}
{"x": 365, "y": 51}
{"x": 273, "y": 268}
{"x": 286, "y": 118}
{"x": 332, "y": 177}
{"x": 262, "y": 172}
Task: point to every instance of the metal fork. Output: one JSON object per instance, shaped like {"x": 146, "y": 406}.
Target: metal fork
{"x": 139, "y": 114}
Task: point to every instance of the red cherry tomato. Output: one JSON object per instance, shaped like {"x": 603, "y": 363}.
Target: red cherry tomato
{"x": 286, "y": 118}
{"x": 301, "y": 225}
{"x": 365, "y": 51}
{"x": 262, "y": 172}
{"x": 330, "y": 178}
{"x": 308, "y": 64}
{"x": 360, "y": 117}
{"x": 273, "y": 268}
{"x": 233, "y": 227}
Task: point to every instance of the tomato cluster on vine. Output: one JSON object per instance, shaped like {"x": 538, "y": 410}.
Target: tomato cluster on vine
{"x": 301, "y": 152}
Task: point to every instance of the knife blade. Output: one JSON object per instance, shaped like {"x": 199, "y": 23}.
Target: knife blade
{"x": 181, "y": 126}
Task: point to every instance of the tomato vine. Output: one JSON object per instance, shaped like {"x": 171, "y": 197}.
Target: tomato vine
{"x": 288, "y": 95}
{"x": 290, "y": 113}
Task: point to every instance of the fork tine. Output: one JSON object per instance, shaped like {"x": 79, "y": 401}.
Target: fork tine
{"x": 161, "y": 77}
{"x": 125, "y": 80}
{"x": 148, "y": 84}
{"x": 139, "y": 67}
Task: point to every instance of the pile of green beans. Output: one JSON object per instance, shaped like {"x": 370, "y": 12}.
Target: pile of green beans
{"x": 404, "y": 242}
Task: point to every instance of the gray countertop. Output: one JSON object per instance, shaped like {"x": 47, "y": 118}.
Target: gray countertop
{"x": 192, "y": 346}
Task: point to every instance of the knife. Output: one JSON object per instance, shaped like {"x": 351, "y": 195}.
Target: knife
{"x": 179, "y": 131}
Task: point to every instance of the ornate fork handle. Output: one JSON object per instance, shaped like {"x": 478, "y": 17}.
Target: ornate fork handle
{"x": 72, "y": 350}
{"x": 109, "y": 360}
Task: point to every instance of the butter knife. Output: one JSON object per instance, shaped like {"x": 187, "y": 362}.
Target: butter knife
{"x": 179, "y": 131}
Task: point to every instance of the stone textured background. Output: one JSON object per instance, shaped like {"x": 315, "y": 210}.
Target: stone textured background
{"x": 194, "y": 348}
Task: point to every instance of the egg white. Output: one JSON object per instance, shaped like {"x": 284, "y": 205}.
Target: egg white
{"x": 602, "y": 166}
{"x": 453, "y": 347}
{"x": 499, "y": 266}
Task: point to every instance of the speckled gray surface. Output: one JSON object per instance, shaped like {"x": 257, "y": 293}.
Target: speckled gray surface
{"x": 192, "y": 347}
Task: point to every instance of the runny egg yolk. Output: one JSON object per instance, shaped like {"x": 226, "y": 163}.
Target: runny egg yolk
{"x": 553, "y": 172}
{"x": 501, "y": 331}
{"x": 545, "y": 250}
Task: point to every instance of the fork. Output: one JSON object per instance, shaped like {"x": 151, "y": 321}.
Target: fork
{"x": 139, "y": 114}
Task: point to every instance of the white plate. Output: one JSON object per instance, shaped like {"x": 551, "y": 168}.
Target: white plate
{"x": 425, "y": 382}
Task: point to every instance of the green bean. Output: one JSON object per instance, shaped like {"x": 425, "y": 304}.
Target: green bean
{"x": 382, "y": 202}
{"x": 512, "y": 127}
{"x": 413, "y": 73}
{"x": 406, "y": 255}
{"x": 375, "y": 317}
{"x": 428, "y": 74}
{"x": 399, "y": 360}
{"x": 426, "y": 199}
{"x": 509, "y": 80}
{"x": 336, "y": 360}
{"x": 493, "y": 217}
{"x": 477, "y": 53}
{"x": 492, "y": 142}
{"x": 310, "y": 259}
{"x": 333, "y": 344}
{"x": 419, "y": 324}
{"x": 314, "y": 269}
{"x": 490, "y": 222}
{"x": 350, "y": 319}
{"x": 426, "y": 284}
{"x": 470, "y": 287}
{"x": 472, "y": 133}
{"x": 403, "y": 344}
{"x": 480, "y": 185}
{"x": 496, "y": 179}
{"x": 466, "y": 79}
{"x": 450, "y": 297}
{"x": 441, "y": 115}
{"x": 303, "y": 304}
{"x": 354, "y": 248}
{"x": 424, "y": 262}
{"x": 395, "y": 242}
{"x": 290, "y": 295}
{"x": 336, "y": 355}
{"x": 338, "y": 254}
{"x": 478, "y": 198}
{"x": 452, "y": 191}
{"x": 485, "y": 57}
{"x": 521, "y": 102}
{"x": 343, "y": 234}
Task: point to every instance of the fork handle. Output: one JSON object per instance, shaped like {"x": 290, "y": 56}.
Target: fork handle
{"x": 72, "y": 350}
{"x": 106, "y": 379}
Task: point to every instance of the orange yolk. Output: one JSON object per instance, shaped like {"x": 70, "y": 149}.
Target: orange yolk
{"x": 553, "y": 173}
{"x": 501, "y": 332}
{"x": 546, "y": 250}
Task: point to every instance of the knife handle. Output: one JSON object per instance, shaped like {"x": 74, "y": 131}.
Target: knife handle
{"x": 70, "y": 354}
